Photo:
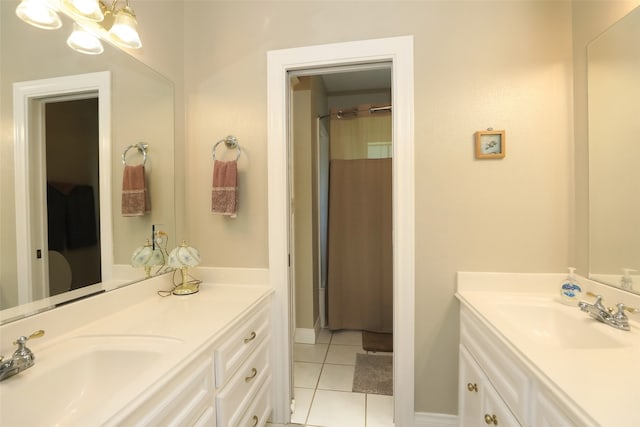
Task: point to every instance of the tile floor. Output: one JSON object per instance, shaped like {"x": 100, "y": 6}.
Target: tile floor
{"x": 323, "y": 377}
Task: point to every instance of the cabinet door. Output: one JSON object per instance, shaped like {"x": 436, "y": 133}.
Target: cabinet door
{"x": 548, "y": 414}
{"x": 470, "y": 380}
{"x": 495, "y": 411}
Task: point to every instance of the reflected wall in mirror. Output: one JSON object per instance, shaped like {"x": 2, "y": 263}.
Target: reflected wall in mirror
{"x": 141, "y": 110}
{"x": 614, "y": 154}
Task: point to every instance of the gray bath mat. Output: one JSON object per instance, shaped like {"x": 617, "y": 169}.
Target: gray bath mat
{"x": 373, "y": 374}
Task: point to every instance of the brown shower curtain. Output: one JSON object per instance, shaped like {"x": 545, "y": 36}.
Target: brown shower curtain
{"x": 360, "y": 261}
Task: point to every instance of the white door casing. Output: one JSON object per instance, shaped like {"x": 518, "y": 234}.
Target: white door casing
{"x": 399, "y": 52}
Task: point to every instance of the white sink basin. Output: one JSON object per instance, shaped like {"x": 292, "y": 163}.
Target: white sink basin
{"x": 72, "y": 378}
{"x": 546, "y": 322}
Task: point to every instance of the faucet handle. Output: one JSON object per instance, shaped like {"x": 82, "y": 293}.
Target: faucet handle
{"x": 622, "y": 308}
{"x": 20, "y": 342}
{"x": 598, "y": 302}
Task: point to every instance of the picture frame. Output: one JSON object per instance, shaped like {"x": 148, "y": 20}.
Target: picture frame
{"x": 490, "y": 144}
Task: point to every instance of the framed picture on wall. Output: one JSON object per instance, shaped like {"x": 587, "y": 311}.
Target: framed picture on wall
{"x": 490, "y": 144}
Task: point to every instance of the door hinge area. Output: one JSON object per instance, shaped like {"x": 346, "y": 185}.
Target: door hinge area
{"x": 289, "y": 260}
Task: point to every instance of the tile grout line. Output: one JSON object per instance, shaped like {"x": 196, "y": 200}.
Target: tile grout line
{"x": 315, "y": 390}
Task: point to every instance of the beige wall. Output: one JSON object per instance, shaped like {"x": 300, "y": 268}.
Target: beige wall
{"x": 161, "y": 26}
{"x": 306, "y": 283}
{"x": 505, "y": 65}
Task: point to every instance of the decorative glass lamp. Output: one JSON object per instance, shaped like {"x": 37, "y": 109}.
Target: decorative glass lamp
{"x": 184, "y": 257}
{"x": 146, "y": 256}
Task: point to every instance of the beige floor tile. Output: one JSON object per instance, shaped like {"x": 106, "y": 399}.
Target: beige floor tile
{"x": 303, "y": 396}
{"x": 337, "y": 409}
{"x": 324, "y": 336}
{"x": 309, "y": 352}
{"x": 379, "y": 410}
{"x": 347, "y": 338}
{"x": 343, "y": 354}
{"x": 306, "y": 374}
{"x": 336, "y": 377}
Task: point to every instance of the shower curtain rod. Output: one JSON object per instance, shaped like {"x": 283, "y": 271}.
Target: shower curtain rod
{"x": 355, "y": 111}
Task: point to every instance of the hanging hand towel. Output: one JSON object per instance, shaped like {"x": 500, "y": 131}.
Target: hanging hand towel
{"x": 135, "y": 198}
{"x": 224, "y": 195}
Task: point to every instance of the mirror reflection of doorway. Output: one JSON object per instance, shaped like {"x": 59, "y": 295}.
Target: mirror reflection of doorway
{"x": 71, "y": 135}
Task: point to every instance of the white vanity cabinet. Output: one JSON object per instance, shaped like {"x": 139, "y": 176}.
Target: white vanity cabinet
{"x": 479, "y": 402}
{"x": 243, "y": 373}
{"x": 548, "y": 413}
{"x": 186, "y": 400}
{"x": 495, "y": 387}
{"x": 225, "y": 385}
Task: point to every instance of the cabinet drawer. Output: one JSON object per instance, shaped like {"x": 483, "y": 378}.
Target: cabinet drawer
{"x": 508, "y": 378}
{"x": 235, "y": 348}
{"x": 259, "y": 410}
{"x": 241, "y": 389}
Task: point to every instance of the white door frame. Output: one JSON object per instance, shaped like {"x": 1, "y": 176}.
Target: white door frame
{"x": 398, "y": 51}
{"x": 27, "y": 107}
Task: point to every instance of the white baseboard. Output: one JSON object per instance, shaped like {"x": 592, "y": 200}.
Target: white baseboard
{"x": 425, "y": 419}
{"x": 307, "y": 335}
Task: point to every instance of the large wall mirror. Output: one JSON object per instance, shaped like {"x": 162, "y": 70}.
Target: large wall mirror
{"x": 614, "y": 154}
{"x": 65, "y": 130}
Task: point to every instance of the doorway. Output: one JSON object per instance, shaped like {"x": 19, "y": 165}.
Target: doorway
{"x": 30, "y": 104}
{"x": 73, "y": 192}
{"x": 341, "y": 249}
{"x": 399, "y": 52}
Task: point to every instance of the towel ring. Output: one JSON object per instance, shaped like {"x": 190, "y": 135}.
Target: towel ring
{"x": 141, "y": 146}
{"x": 231, "y": 142}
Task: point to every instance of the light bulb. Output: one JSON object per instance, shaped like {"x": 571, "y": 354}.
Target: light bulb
{"x": 39, "y": 14}
{"x": 124, "y": 32}
{"x": 83, "y": 9}
{"x": 83, "y": 41}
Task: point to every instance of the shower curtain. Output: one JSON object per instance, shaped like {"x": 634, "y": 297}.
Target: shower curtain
{"x": 360, "y": 259}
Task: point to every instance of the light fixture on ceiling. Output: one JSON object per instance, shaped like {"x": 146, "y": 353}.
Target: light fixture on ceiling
{"x": 84, "y": 41}
{"x": 39, "y": 13}
{"x": 93, "y": 20}
{"x": 89, "y": 10}
{"x": 124, "y": 31}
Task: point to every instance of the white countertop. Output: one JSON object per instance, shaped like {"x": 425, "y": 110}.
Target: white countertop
{"x": 599, "y": 385}
{"x": 195, "y": 320}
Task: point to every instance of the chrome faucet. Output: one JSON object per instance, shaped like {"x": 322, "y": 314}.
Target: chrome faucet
{"x": 22, "y": 358}
{"x": 598, "y": 311}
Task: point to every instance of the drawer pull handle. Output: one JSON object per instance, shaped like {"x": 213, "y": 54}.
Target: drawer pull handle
{"x": 472, "y": 387}
{"x": 491, "y": 419}
{"x": 255, "y": 420}
{"x": 254, "y": 372}
{"x": 251, "y": 337}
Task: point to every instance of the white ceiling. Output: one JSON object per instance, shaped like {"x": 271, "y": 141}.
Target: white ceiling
{"x": 353, "y": 81}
